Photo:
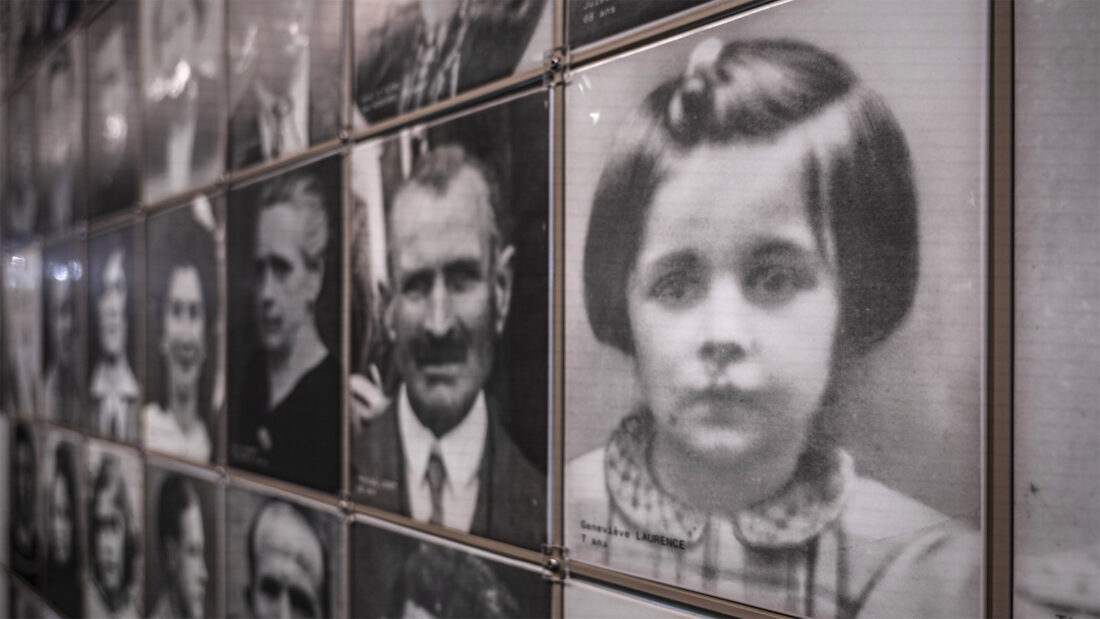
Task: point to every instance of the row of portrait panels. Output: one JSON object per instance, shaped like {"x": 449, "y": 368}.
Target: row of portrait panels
{"x": 227, "y": 85}
{"x": 773, "y": 315}
{"x": 98, "y": 533}
{"x": 121, "y": 334}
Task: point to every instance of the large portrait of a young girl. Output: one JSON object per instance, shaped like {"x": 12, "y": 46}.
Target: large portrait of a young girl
{"x": 774, "y": 310}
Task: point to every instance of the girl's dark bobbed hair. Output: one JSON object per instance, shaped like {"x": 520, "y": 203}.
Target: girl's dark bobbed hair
{"x": 858, "y": 178}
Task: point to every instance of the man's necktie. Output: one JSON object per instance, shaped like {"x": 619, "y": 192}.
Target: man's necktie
{"x": 281, "y": 112}
{"x": 437, "y": 476}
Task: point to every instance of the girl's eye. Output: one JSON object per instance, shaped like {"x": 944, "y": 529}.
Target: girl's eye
{"x": 776, "y": 284}
{"x": 677, "y": 288}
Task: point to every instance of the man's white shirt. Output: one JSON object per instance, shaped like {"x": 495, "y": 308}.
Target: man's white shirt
{"x": 460, "y": 449}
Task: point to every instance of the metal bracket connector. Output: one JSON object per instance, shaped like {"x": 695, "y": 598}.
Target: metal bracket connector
{"x": 555, "y": 564}
{"x": 554, "y": 63}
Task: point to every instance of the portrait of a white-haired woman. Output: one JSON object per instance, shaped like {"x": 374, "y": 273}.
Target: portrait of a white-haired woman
{"x": 755, "y": 226}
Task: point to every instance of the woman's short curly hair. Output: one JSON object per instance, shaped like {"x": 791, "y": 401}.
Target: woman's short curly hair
{"x": 858, "y": 176}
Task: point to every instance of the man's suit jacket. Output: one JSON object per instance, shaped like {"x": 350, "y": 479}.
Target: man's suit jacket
{"x": 511, "y": 501}
{"x": 497, "y": 36}
{"x": 245, "y": 143}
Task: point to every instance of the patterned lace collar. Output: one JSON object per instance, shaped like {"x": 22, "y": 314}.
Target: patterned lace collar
{"x": 810, "y": 502}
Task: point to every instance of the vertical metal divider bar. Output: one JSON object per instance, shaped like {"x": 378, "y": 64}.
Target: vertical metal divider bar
{"x": 347, "y": 146}
{"x": 999, "y": 462}
{"x": 222, "y": 248}
{"x": 557, "y": 343}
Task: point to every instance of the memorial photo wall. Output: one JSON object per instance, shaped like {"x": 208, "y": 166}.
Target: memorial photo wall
{"x": 392, "y": 308}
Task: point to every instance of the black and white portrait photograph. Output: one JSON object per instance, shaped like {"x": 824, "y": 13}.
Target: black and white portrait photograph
{"x": 22, "y": 322}
{"x": 58, "y": 15}
{"x": 284, "y": 243}
{"x": 592, "y": 20}
{"x": 114, "y": 109}
{"x": 1056, "y": 399}
{"x": 182, "y": 52}
{"x": 449, "y": 334}
{"x": 21, "y": 190}
{"x": 182, "y": 568}
{"x": 5, "y": 494}
{"x": 403, "y": 577}
{"x": 114, "y": 391}
{"x": 23, "y": 33}
{"x": 61, "y": 136}
{"x": 112, "y": 586}
{"x": 64, "y": 346}
{"x": 24, "y": 524}
{"x": 285, "y": 559}
{"x": 412, "y": 53}
{"x": 185, "y": 378}
{"x": 64, "y": 526}
{"x": 286, "y": 77}
{"x": 775, "y": 310}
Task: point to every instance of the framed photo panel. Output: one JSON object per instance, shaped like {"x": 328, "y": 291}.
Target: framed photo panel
{"x": 1056, "y": 415}
{"x": 61, "y": 136}
{"x": 775, "y": 309}
{"x": 184, "y": 515}
{"x": 114, "y": 383}
{"x": 24, "y": 521}
{"x": 62, "y": 495}
{"x": 64, "y": 347}
{"x": 287, "y": 77}
{"x": 449, "y": 340}
{"x": 285, "y": 242}
{"x": 412, "y": 53}
{"x": 182, "y": 47}
{"x": 399, "y": 576}
{"x": 22, "y": 319}
{"x": 113, "y": 575}
{"x": 184, "y": 337}
{"x": 266, "y": 535}
{"x": 114, "y": 110}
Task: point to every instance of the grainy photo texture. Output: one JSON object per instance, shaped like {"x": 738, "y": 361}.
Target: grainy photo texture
{"x": 182, "y": 45}
{"x": 58, "y": 15}
{"x": 24, "y": 33}
{"x": 24, "y": 532}
{"x": 285, "y": 247}
{"x": 283, "y": 558}
{"x": 61, "y": 136}
{"x": 412, "y": 53}
{"x": 64, "y": 373}
{"x": 114, "y": 393}
{"x": 449, "y": 322}
{"x": 182, "y": 575}
{"x": 774, "y": 288}
{"x": 185, "y": 378}
{"x": 1056, "y": 417}
{"x": 112, "y": 585}
{"x": 5, "y": 494}
{"x": 287, "y": 77}
{"x": 64, "y": 525}
{"x": 22, "y": 320}
{"x": 114, "y": 109}
{"x": 401, "y": 576}
{"x": 21, "y": 190}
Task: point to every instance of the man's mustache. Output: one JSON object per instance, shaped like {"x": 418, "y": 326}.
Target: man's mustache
{"x": 433, "y": 351}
